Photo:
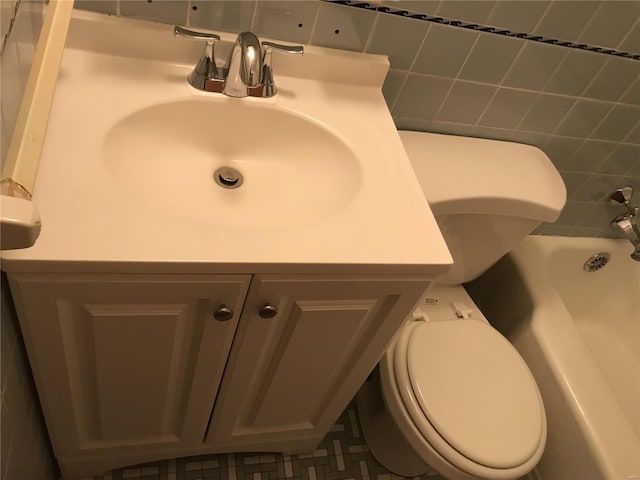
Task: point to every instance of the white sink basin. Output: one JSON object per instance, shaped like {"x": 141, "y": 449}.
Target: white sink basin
{"x": 126, "y": 177}
{"x": 293, "y": 169}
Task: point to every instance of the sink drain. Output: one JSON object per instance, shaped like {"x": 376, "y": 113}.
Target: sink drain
{"x": 228, "y": 177}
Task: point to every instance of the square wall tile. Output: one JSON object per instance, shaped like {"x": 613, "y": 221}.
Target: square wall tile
{"x": 555, "y": 230}
{"x": 291, "y": 21}
{"x": 572, "y": 213}
{"x": 598, "y": 188}
{"x": 520, "y": 16}
{"x": 565, "y": 20}
{"x": 412, "y": 124}
{"x": 493, "y": 133}
{"x": 225, "y": 15}
{"x": 165, "y": 11}
{"x": 466, "y": 102}
{"x": 610, "y": 23}
{"x": 561, "y": 150}
{"x": 530, "y": 138}
{"x": 470, "y": 11}
{"x": 546, "y": 113}
{"x": 613, "y": 80}
{"x": 507, "y": 108}
{"x": 421, "y": 97}
{"x": 102, "y": 6}
{"x": 573, "y": 181}
{"x": 583, "y": 118}
{"x": 575, "y": 72}
{"x": 618, "y": 123}
{"x": 339, "y": 26}
{"x": 452, "y": 128}
{"x": 444, "y": 50}
{"x": 490, "y": 58}
{"x": 399, "y": 38}
{"x": 632, "y": 95}
{"x": 622, "y": 160}
{"x": 635, "y": 170}
{"x": 392, "y": 86}
{"x": 534, "y": 65}
{"x": 634, "y": 135}
{"x": 600, "y": 215}
{"x": 631, "y": 41}
{"x": 607, "y": 232}
{"x": 590, "y": 156}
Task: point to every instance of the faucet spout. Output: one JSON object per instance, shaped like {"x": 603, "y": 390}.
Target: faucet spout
{"x": 244, "y": 65}
{"x": 627, "y": 224}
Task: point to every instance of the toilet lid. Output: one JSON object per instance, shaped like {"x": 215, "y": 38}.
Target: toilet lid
{"x": 476, "y": 391}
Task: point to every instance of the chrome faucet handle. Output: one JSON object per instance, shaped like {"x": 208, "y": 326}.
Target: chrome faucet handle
{"x": 185, "y": 32}
{"x": 205, "y": 75}
{"x": 623, "y": 196}
{"x": 269, "y": 46}
{"x": 269, "y": 87}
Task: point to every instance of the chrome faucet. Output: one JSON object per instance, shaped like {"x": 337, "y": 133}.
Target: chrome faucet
{"x": 244, "y": 65}
{"x": 628, "y": 222}
{"x": 248, "y": 70}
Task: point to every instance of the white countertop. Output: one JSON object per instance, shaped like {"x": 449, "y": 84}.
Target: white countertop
{"x": 90, "y": 222}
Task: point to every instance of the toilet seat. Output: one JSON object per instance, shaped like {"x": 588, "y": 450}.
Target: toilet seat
{"x": 490, "y": 421}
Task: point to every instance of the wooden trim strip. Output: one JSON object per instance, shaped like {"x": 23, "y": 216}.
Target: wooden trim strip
{"x": 23, "y": 156}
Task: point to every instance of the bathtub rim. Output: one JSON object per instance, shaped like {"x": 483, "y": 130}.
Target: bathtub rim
{"x": 610, "y": 438}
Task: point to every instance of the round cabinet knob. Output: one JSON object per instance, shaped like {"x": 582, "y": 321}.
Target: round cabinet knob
{"x": 268, "y": 311}
{"x": 223, "y": 313}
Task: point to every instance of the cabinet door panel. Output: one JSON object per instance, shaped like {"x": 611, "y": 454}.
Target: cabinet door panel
{"x": 290, "y": 376}
{"x": 309, "y": 351}
{"x": 132, "y": 364}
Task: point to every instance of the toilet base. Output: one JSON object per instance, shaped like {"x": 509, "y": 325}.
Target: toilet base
{"x": 384, "y": 439}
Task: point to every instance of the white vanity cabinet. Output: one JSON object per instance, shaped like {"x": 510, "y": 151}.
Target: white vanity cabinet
{"x": 290, "y": 376}
{"x": 133, "y": 368}
{"x": 126, "y": 364}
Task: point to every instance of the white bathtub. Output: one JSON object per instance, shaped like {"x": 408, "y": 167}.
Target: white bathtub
{"x": 580, "y": 334}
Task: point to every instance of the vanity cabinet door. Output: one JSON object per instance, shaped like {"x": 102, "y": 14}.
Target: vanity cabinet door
{"x": 126, "y": 364}
{"x": 290, "y": 376}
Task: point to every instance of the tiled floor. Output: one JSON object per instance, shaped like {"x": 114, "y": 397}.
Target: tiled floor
{"x": 341, "y": 455}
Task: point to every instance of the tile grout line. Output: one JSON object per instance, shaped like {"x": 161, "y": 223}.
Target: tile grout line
{"x": 455, "y": 80}
{"x": 628, "y": 34}
{"x": 314, "y": 23}
{"x": 409, "y": 72}
{"x": 188, "y": 17}
{"x": 374, "y": 25}
{"x": 254, "y": 16}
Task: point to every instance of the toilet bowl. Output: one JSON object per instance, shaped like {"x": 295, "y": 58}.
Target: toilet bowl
{"x": 451, "y": 394}
{"x": 454, "y": 396}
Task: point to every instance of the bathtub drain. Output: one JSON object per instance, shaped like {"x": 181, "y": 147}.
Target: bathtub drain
{"x": 596, "y": 262}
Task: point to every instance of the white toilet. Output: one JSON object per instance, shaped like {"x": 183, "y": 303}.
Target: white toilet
{"x": 457, "y": 397}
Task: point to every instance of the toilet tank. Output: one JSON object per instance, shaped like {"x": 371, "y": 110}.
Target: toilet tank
{"x": 485, "y": 194}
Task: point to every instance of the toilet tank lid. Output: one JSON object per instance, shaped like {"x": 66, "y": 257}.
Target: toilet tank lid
{"x": 474, "y": 175}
